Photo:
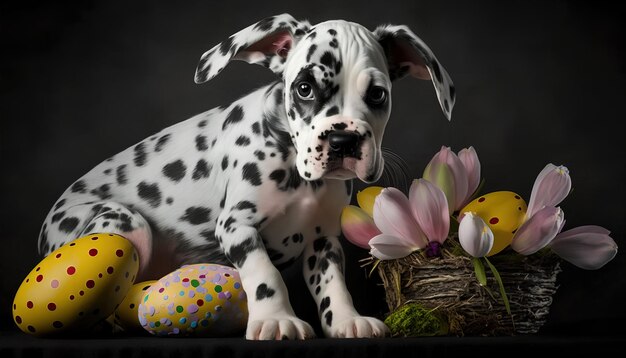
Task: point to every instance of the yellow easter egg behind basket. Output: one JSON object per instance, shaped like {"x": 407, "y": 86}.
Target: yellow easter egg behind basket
{"x": 503, "y": 212}
{"x": 76, "y": 285}
{"x": 126, "y": 315}
{"x": 198, "y": 300}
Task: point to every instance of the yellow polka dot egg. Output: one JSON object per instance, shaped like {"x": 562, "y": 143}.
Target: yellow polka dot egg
{"x": 76, "y": 285}
{"x": 198, "y": 300}
{"x": 503, "y": 212}
{"x": 126, "y": 315}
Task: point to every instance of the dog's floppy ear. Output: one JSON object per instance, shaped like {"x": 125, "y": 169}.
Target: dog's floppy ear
{"x": 266, "y": 43}
{"x": 407, "y": 53}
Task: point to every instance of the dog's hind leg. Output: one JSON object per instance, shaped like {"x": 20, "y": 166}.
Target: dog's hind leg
{"x": 79, "y": 220}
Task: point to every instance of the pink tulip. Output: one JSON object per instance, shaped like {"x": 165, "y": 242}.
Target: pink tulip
{"x": 470, "y": 161}
{"x": 474, "y": 235}
{"x": 551, "y": 187}
{"x": 393, "y": 216}
{"x": 389, "y": 247}
{"x": 430, "y": 209}
{"x": 588, "y": 247}
{"x": 357, "y": 226}
{"x": 457, "y": 176}
{"x": 536, "y": 232}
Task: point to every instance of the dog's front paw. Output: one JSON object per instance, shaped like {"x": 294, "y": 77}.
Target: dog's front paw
{"x": 287, "y": 327}
{"x": 357, "y": 327}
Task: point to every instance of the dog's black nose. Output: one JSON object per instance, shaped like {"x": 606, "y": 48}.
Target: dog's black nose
{"x": 343, "y": 142}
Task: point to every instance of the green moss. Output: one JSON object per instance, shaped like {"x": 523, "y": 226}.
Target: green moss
{"x": 413, "y": 320}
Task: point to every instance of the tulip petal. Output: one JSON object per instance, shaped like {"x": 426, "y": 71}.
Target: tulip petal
{"x": 538, "y": 231}
{"x": 550, "y": 188}
{"x": 357, "y": 226}
{"x": 588, "y": 247}
{"x": 389, "y": 247}
{"x": 430, "y": 209}
{"x": 474, "y": 235}
{"x": 392, "y": 216}
{"x": 448, "y": 172}
{"x": 470, "y": 161}
{"x": 366, "y": 197}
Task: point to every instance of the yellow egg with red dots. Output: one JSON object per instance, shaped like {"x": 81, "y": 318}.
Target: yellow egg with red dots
{"x": 503, "y": 212}
{"x": 76, "y": 286}
{"x": 196, "y": 300}
{"x": 126, "y": 315}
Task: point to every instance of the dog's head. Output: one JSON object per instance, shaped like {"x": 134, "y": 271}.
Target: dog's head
{"x": 337, "y": 81}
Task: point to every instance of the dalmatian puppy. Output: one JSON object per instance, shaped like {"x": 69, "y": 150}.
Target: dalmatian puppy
{"x": 261, "y": 182}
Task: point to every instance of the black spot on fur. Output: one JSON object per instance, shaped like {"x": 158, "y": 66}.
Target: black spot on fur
{"x": 297, "y": 238}
{"x": 79, "y": 187}
{"x": 446, "y": 106}
{"x": 237, "y": 254}
{"x": 223, "y": 201}
{"x": 329, "y": 318}
{"x": 121, "y": 175}
{"x": 278, "y": 175}
{"x": 332, "y": 111}
{"x": 256, "y": 128}
{"x": 225, "y": 162}
{"x": 437, "y": 70}
{"x": 312, "y": 261}
{"x": 202, "y": 170}
{"x": 149, "y": 193}
{"x": 242, "y": 141}
{"x": 245, "y": 205}
{"x": 324, "y": 304}
{"x": 197, "y": 215}
{"x": 58, "y": 216}
{"x": 235, "y": 116}
{"x": 452, "y": 92}
{"x": 140, "y": 155}
{"x": 59, "y": 204}
{"x": 68, "y": 224}
{"x": 89, "y": 228}
{"x": 125, "y": 223}
{"x": 319, "y": 244}
{"x": 162, "y": 142}
{"x": 102, "y": 192}
{"x": 259, "y": 154}
{"x": 175, "y": 170}
{"x": 310, "y": 52}
{"x": 226, "y": 46}
{"x": 263, "y": 292}
{"x": 332, "y": 32}
{"x": 169, "y": 200}
{"x": 250, "y": 172}
{"x": 265, "y": 24}
{"x": 201, "y": 144}
{"x": 202, "y": 123}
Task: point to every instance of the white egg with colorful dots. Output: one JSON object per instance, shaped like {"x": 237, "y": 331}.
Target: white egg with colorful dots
{"x": 77, "y": 285}
{"x": 198, "y": 300}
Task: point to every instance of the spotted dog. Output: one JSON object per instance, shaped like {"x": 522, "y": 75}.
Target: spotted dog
{"x": 261, "y": 182}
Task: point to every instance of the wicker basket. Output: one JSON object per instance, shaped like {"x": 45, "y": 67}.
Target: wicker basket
{"x": 449, "y": 286}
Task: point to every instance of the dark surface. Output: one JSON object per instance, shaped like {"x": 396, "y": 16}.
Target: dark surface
{"x": 537, "y": 82}
{"x": 522, "y": 346}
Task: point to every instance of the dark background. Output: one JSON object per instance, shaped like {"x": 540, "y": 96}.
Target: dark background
{"x": 537, "y": 82}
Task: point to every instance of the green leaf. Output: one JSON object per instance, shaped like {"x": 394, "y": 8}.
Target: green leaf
{"x": 496, "y": 275}
{"x": 479, "y": 270}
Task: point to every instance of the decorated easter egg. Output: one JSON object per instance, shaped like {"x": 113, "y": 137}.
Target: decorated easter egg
{"x": 126, "y": 314}
{"x": 200, "y": 299}
{"x": 503, "y": 212}
{"x": 77, "y": 285}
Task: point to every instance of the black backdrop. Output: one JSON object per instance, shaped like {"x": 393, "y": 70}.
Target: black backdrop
{"x": 537, "y": 82}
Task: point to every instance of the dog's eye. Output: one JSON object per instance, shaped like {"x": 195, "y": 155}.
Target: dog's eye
{"x": 376, "y": 96}
{"x": 305, "y": 91}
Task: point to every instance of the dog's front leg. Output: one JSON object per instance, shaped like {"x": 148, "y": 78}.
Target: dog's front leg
{"x": 323, "y": 270}
{"x": 270, "y": 313}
